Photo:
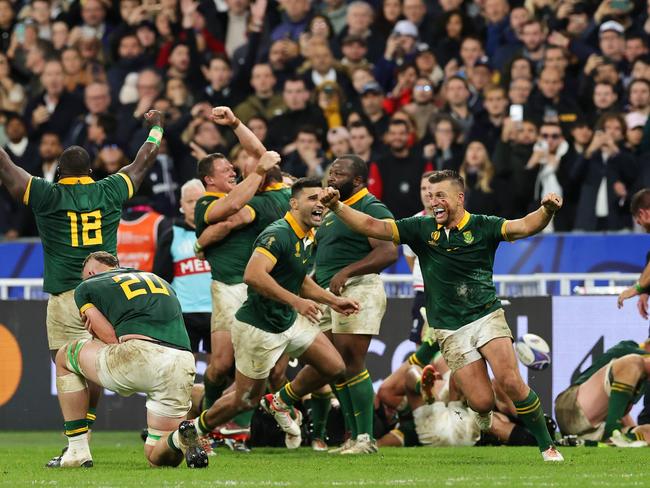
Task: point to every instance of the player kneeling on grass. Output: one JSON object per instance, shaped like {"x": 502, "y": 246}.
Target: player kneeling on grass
{"x": 275, "y": 319}
{"x": 595, "y": 406}
{"x": 143, "y": 347}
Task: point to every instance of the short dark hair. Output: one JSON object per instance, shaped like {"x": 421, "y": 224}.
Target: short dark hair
{"x": 308, "y": 129}
{"x": 357, "y": 165}
{"x": 640, "y": 201}
{"x": 302, "y": 183}
{"x": 74, "y": 161}
{"x": 294, "y": 79}
{"x": 274, "y": 175}
{"x": 359, "y": 124}
{"x": 448, "y": 175}
{"x": 103, "y": 257}
{"x": 400, "y": 122}
{"x": 204, "y": 167}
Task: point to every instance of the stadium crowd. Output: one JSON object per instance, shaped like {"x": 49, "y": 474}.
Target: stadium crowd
{"x": 522, "y": 99}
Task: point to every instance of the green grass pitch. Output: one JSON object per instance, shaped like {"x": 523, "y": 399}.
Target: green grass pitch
{"x": 119, "y": 463}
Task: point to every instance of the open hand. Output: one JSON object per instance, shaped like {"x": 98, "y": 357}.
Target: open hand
{"x": 346, "y": 306}
{"x": 308, "y": 309}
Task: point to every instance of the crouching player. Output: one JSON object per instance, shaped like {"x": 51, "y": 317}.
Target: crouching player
{"x": 594, "y": 407}
{"x": 144, "y": 348}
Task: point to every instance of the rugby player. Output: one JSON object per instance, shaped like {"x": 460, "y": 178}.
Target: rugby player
{"x": 347, "y": 264}
{"x": 275, "y": 318}
{"x": 594, "y": 407}
{"x": 76, "y": 216}
{"x": 143, "y": 347}
{"x": 456, "y": 252}
{"x": 237, "y": 215}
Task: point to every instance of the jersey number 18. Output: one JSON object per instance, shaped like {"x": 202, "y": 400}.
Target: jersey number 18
{"x": 91, "y": 228}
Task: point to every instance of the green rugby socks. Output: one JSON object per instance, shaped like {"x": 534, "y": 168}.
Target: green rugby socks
{"x": 619, "y": 398}
{"x": 91, "y": 416}
{"x": 213, "y": 390}
{"x": 529, "y": 410}
{"x": 243, "y": 419}
{"x": 347, "y": 408}
{"x": 287, "y": 395}
{"x": 424, "y": 354}
{"x": 362, "y": 395}
{"x": 320, "y": 408}
{"x": 74, "y": 428}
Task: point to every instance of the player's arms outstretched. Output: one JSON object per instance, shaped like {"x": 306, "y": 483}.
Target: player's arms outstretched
{"x": 99, "y": 326}
{"x": 234, "y": 201}
{"x": 12, "y": 176}
{"x": 148, "y": 152}
{"x": 639, "y": 288}
{"x": 359, "y": 222}
{"x": 248, "y": 140}
{"x": 258, "y": 276}
{"x": 535, "y": 221}
{"x": 342, "y": 305}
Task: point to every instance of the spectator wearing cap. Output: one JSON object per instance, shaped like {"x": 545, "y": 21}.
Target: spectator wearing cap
{"x": 397, "y": 179}
{"x": 428, "y": 65}
{"x": 443, "y": 152}
{"x": 307, "y": 157}
{"x": 549, "y": 103}
{"x": 298, "y": 111}
{"x": 489, "y": 121}
{"x": 421, "y": 108}
{"x": 354, "y": 50}
{"x": 457, "y": 95}
{"x": 415, "y": 11}
{"x": 336, "y": 11}
{"x": 264, "y": 102}
{"x": 294, "y": 21}
{"x": 54, "y": 109}
{"x": 372, "y": 105}
{"x": 400, "y": 49}
{"x": 609, "y": 175}
{"x": 479, "y": 78}
{"x": 359, "y": 19}
{"x": 635, "y": 123}
{"x": 97, "y": 100}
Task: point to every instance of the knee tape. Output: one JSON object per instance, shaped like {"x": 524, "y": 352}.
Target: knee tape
{"x": 153, "y": 436}
{"x": 70, "y": 383}
{"x": 72, "y": 351}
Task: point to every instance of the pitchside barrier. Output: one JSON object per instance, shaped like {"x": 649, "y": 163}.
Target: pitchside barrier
{"x": 578, "y": 328}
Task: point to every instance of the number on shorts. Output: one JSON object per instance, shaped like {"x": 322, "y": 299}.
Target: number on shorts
{"x": 138, "y": 278}
{"x": 91, "y": 228}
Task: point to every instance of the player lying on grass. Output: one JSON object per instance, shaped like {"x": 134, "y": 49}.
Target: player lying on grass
{"x": 456, "y": 252}
{"x": 275, "y": 319}
{"x": 595, "y": 406}
{"x": 143, "y": 347}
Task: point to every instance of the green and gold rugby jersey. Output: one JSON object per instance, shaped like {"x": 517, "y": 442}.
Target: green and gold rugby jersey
{"x": 75, "y": 216}
{"x": 228, "y": 257}
{"x": 336, "y": 245}
{"x": 135, "y": 302}
{"x": 621, "y": 349}
{"x": 457, "y": 270}
{"x": 285, "y": 243}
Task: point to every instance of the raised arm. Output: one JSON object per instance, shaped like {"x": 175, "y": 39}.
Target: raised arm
{"x": 640, "y": 287}
{"x": 148, "y": 152}
{"x": 248, "y": 140}
{"x": 382, "y": 254}
{"x": 239, "y": 196}
{"x": 535, "y": 221}
{"x": 258, "y": 276}
{"x": 13, "y": 177}
{"x": 99, "y": 326}
{"x": 359, "y": 222}
{"x": 218, "y": 232}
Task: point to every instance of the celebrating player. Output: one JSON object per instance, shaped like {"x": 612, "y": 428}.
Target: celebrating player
{"x": 143, "y": 347}
{"x": 456, "y": 252}
{"x": 347, "y": 264}
{"x": 228, "y": 205}
{"x": 275, "y": 317}
{"x": 76, "y": 216}
{"x": 594, "y": 407}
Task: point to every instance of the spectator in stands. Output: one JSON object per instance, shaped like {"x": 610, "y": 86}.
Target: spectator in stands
{"x": 489, "y": 121}
{"x": 330, "y": 100}
{"x": 20, "y": 149}
{"x": 295, "y": 17}
{"x": 12, "y": 94}
{"x": 400, "y": 48}
{"x": 639, "y": 96}
{"x": 444, "y": 152}
{"x": 519, "y": 91}
{"x": 359, "y": 20}
{"x": 484, "y": 194}
{"x": 110, "y": 159}
{"x": 402, "y": 92}
{"x": 149, "y": 86}
{"x": 605, "y": 99}
{"x": 97, "y": 100}
{"x": 361, "y": 142}
{"x": 307, "y": 158}
{"x": 220, "y": 90}
{"x": 354, "y": 50}
{"x": 372, "y": 104}
{"x": 390, "y": 13}
{"x": 49, "y": 150}
{"x": 54, "y": 110}
{"x": 75, "y": 76}
{"x": 338, "y": 140}
{"x": 456, "y": 92}
{"x": 608, "y": 173}
{"x": 415, "y": 11}
{"x": 263, "y": 102}
{"x": 298, "y": 112}
{"x": 428, "y": 65}
{"x": 581, "y": 133}
{"x": 129, "y": 58}
{"x": 322, "y": 68}
{"x": 550, "y": 103}
{"x": 421, "y": 108}
{"x": 397, "y": 182}
{"x": 7, "y": 16}
{"x": 336, "y": 12}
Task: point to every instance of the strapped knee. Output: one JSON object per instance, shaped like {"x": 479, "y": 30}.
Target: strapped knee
{"x": 70, "y": 383}
{"x": 72, "y": 351}
{"x": 153, "y": 436}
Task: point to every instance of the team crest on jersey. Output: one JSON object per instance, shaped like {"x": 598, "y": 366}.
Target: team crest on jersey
{"x": 270, "y": 242}
{"x": 468, "y": 237}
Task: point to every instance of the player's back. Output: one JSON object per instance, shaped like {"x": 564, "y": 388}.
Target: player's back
{"x": 135, "y": 302}
{"x": 75, "y": 216}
